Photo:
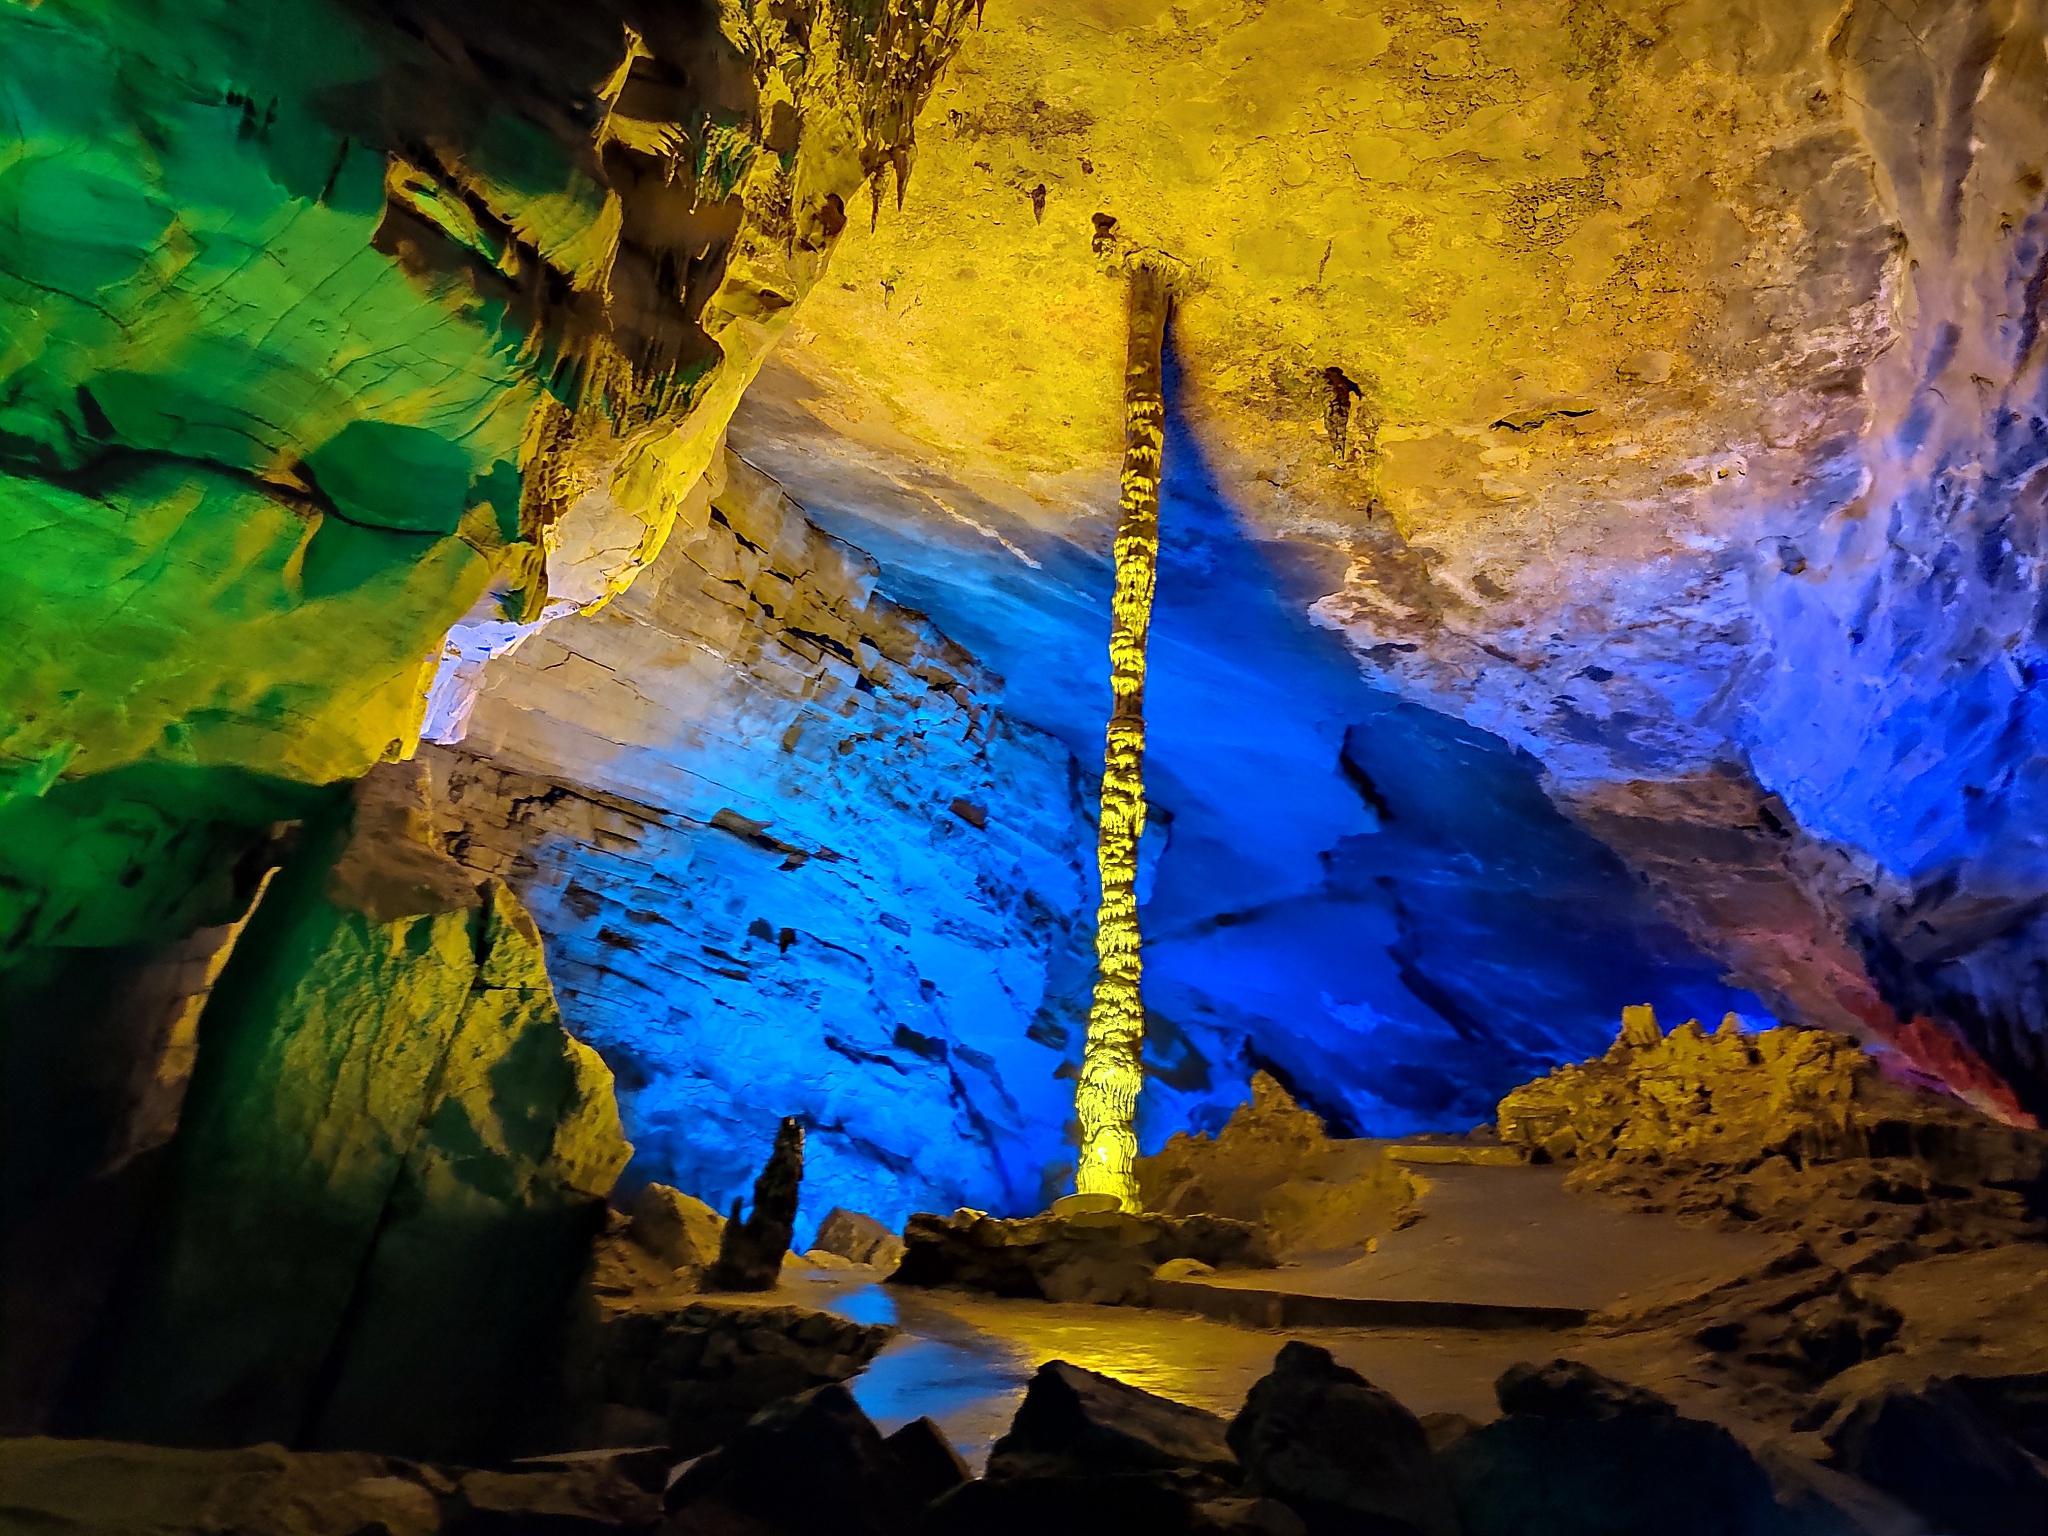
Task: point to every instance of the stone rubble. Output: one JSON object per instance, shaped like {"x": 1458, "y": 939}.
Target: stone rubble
{"x": 1098, "y": 1256}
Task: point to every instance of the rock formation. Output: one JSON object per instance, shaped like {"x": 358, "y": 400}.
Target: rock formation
{"x": 679, "y": 1229}
{"x": 387, "y": 1124}
{"x": 1275, "y": 1165}
{"x": 751, "y": 1250}
{"x": 104, "y": 1488}
{"x": 1579, "y": 1453}
{"x": 1794, "y": 1129}
{"x": 717, "y": 796}
{"x": 1085, "y": 1255}
{"x": 1339, "y": 1451}
{"x": 859, "y": 1239}
{"x": 687, "y": 1375}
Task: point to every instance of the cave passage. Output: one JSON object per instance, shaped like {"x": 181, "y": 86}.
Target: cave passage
{"x": 670, "y": 866}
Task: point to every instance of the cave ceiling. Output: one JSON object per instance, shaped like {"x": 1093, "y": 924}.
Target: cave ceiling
{"x": 1657, "y": 387}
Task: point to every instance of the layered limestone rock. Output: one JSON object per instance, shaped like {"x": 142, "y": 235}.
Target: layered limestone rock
{"x": 791, "y": 859}
{"x": 390, "y": 1169}
{"x": 795, "y": 850}
{"x": 1660, "y": 388}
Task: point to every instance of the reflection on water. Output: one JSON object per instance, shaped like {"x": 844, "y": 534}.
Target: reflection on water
{"x": 964, "y": 1360}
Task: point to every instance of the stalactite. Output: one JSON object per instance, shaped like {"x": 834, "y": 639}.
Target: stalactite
{"x": 1106, "y": 1099}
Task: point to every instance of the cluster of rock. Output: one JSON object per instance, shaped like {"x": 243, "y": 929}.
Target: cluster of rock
{"x": 1969, "y": 1453}
{"x": 1316, "y": 1450}
{"x": 1274, "y": 1164}
{"x": 686, "y": 1376}
{"x": 1788, "y": 1129}
{"x": 1073, "y": 1253}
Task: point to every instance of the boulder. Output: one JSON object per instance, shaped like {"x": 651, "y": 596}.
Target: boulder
{"x": 2016, "y": 1403}
{"x": 703, "y": 1369}
{"x": 679, "y": 1229}
{"x": 389, "y": 1173}
{"x": 1074, "y": 1422}
{"x": 860, "y": 1239}
{"x": 1340, "y": 1452}
{"x": 1566, "y": 1389}
{"x": 926, "y": 1461}
{"x": 1105, "y": 1256}
{"x": 751, "y": 1251}
{"x": 811, "y": 1463}
{"x": 1583, "y": 1455}
{"x": 1937, "y": 1451}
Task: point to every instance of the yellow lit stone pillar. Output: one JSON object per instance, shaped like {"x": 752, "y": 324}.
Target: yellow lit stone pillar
{"x": 1106, "y": 1099}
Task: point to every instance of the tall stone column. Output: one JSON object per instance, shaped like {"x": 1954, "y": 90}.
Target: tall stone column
{"x": 1107, "y": 1097}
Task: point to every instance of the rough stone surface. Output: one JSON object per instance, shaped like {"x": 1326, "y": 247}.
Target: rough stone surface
{"x": 926, "y": 1461}
{"x": 716, "y": 796}
{"x": 109, "y": 1488}
{"x": 1340, "y": 1452}
{"x": 751, "y": 1248}
{"x": 1273, "y": 1164}
{"x": 334, "y": 326}
{"x": 679, "y": 1229}
{"x": 1793, "y": 1129}
{"x": 1599, "y": 1458}
{"x": 812, "y": 1463}
{"x": 1081, "y": 1423}
{"x": 862, "y": 1239}
{"x": 699, "y": 1369}
{"x": 387, "y": 1121}
{"x": 1938, "y": 1451}
{"x": 1566, "y": 1389}
{"x": 1108, "y": 1256}
{"x": 1660, "y": 390}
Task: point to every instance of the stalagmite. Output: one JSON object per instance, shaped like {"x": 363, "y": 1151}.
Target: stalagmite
{"x": 1107, "y": 1097}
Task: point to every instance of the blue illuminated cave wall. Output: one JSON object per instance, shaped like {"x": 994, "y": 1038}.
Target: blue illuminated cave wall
{"x": 800, "y": 850}
{"x": 789, "y": 860}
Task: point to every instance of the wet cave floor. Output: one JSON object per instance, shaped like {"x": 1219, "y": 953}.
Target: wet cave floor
{"x": 1489, "y": 1241}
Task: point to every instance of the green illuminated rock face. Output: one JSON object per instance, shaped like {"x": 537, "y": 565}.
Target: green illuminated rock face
{"x": 324, "y": 327}
{"x": 341, "y": 343}
{"x": 391, "y": 1163}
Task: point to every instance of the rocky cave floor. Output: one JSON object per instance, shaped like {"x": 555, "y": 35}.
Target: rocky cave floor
{"x": 1784, "y": 1294}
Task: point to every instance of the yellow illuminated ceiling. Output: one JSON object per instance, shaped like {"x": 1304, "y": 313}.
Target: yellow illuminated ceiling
{"x": 1574, "y": 259}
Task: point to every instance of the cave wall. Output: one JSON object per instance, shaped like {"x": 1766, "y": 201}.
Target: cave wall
{"x": 791, "y": 858}
{"x": 797, "y": 849}
{"x": 332, "y": 326}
